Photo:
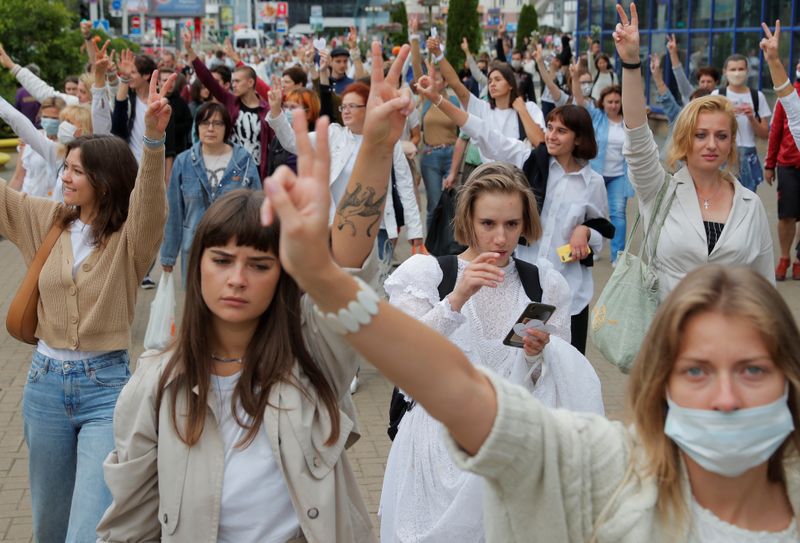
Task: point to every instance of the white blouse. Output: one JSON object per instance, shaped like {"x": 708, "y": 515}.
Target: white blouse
{"x": 708, "y": 528}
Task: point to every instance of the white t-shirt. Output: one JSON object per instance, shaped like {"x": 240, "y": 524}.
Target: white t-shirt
{"x": 745, "y": 137}
{"x": 80, "y": 235}
{"x": 256, "y": 505}
{"x": 216, "y": 166}
{"x": 136, "y": 139}
{"x": 614, "y": 164}
{"x": 505, "y": 121}
{"x": 39, "y": 178}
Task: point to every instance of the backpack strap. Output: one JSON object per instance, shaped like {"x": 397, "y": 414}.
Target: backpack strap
{"x": 522, "y": 135}
{"x": 529, "y": 275}
{"x": 449, "y": 266}
{"x": 754, "y": 98}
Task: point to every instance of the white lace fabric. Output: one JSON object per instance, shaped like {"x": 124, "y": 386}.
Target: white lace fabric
{"x": 425, "y": 497}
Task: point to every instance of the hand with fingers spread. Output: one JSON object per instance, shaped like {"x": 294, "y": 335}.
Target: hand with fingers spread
{"x": 5, "y": 60}
{"x": 770, "y": 45}
{"x": 158, "y": 109}
{"x": 481, "y": 272}
{"x": 275, "y": 96}
{"x": 102, "y": 64}
{"x": 231, "y": 52}
{"x": 465, "y": 46}
{"x": 626, "y": 35}
{"x": 388, "y": 104}
{"x": 187, "y": 45}
{"x": 126, "y": 64}
{"x": 352, "y": 38}
{"x": 301, "y": 201}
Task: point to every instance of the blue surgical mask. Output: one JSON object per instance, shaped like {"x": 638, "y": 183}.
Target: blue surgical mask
{"x": 730, "y": 443}
{"x": 50, "y": 126}
{"x": 66, "y": 132}
{"x": 289, "y": 113}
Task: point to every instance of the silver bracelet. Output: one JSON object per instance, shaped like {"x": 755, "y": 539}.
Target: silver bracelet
{"x": 782, "y": 86}
{"x": 124, "y": 80}
{"x": 358, "y": 312}
{"x": 154, "y": 144}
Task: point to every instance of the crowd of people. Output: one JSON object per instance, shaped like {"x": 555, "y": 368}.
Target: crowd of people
{"x": 285, "y": 185}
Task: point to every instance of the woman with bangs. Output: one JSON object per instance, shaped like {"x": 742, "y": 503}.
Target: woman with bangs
{"x": 571, "y": 197}
{"x": 238, "y": 431}
{"x": 214, "y": 166}
{"x": 711, "y": 454}
{"x": 704, "y": 213}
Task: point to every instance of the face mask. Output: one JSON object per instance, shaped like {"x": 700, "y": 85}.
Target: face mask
{"x": 289, "y": 113}
{"x": 797, "y": 74}
{"x": 586, "y": 89}
{"x": 736, "y": 78}
{"x": 516, "y": 64}
{"x": 730, "y": 443}
{"x": 66, "y": 132}
{"x": 50, "y": 126}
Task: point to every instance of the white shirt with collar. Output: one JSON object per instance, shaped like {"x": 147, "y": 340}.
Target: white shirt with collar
{"x": 343, "y": 145}
{"x": 682, "y": 246}
{"x": 571, "y": 199}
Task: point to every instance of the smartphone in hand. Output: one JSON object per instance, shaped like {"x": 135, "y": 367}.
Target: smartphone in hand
{"x": 534, "y": 311}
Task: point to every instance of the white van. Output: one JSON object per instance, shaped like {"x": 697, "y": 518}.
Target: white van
{"x": 247, "y": 38}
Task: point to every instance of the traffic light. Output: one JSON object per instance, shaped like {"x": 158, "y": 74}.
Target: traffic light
{"x": 83, "y": 7}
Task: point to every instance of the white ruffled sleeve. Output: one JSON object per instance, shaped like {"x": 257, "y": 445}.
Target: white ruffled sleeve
{"x": 556, "y": 292}
{"x": 414, "y": 289}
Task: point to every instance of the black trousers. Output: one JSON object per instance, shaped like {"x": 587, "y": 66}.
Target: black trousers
{"x": 580, "y": 327}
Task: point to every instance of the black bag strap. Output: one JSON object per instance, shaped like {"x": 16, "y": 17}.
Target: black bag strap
{"x": 522, "y": 135}
{"x": 528, "y": 274}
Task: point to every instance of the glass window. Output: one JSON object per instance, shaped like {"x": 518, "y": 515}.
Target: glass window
{"x": 597, "y": 12}
{"x": 724, "y": 13}
{"x": 583, "y": 15}
{"x": 722, "y": 48}
{"x": 643, "y": 8}
{"x": 749, "y": 13}
{"x": 698, "y": 57}
{"x": 701, "y": 13}
{"x": 660, "y": 11}
{"x": 679, "y": 14}
{"x": 778, "y": 9}
{"x": 610, "y": 15}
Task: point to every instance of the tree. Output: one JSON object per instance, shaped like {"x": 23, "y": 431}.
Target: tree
{"x": 528, "y": 22}
{"x": 463, "y": 21}
{"x": 398, "y": 14}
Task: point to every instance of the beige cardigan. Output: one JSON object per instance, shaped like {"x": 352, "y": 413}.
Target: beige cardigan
{"x": 745, "y": 241}
{"x": 165, "y": 491}
{"x": 94, "y": 311}
{"x": 551, "y": 473}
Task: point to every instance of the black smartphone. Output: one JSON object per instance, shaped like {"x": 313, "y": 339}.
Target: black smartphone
{"x": 534, "y": 311}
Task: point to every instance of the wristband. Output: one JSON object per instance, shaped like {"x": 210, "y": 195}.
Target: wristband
{"x": 782, "y": 86}
{"x": 631, "y": 66}
{"x": 124, "y": 80}
{"x": 438, "y": 59}
{"x": 358, "y": 312}
{"x": 15, "y": 69}
{"x": 437, "y": 104}
{"x": 154, "y": 144}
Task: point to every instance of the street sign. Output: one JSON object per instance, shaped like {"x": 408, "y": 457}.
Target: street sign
{"x": 282, "y": 27}
{"x": 283, "y": 9}
{"x": 316, "y": 20}
{"x": 136, "y": 25}
{"x": 101, "y": 23}
{"x": 116, "y": 5}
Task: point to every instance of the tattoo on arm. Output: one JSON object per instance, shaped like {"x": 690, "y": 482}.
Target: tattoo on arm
{"x": 361, "y": 202}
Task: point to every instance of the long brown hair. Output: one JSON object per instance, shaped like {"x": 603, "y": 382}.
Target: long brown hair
{"x": 111, "y": 169}
{"x": 734, "y": 292}
{"x": 508, "y": 74}
{"x": 277, "y": 342}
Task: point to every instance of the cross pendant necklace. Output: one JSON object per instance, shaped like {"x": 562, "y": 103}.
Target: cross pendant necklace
{"x": 706, "y": 205}
{"x": 707, "y": 201}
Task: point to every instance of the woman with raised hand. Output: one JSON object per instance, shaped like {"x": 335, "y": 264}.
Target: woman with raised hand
{"x": 780, "y": 80}
{"x": 473, "y": 299}
{"x": 704, "y": 214}
{"x": 111, "y": 224}
{"x": 571, "y": 196}
{"x": 720, "y": 354}
{"x": 239, "y": 429}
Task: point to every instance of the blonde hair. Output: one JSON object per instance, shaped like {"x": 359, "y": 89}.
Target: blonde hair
{"x": 733, "y": 292}
{"x": 683, "y": 133}
{"x": 495, "y": 177}
{"x": 88, "y": 81}
{"x": 80, "y": 116}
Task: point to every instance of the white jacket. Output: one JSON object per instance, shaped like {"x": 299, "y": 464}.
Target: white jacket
{"x": 342, "y": 144}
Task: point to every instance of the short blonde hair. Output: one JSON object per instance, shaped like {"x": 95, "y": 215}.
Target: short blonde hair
{"x": 495, "y": 177}
{"x": 734, "y": 292}
{"x": 683, "y": 133}
{"x": 80, "y": 116}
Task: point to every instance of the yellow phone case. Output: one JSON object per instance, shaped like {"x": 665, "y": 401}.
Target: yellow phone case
{"x": 565, "y": 253}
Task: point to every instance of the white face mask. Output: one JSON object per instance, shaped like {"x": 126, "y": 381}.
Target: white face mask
{"x": 797, "y": 74}
{"x": 516, "y": 64}
{"x": 66, "y": 132}
{"x": 586, "y": 89}
{"x": 736, "y": 78}
{"x": 730, "y": 443}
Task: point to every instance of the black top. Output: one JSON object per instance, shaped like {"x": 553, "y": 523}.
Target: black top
{"x": 713, "y": 233}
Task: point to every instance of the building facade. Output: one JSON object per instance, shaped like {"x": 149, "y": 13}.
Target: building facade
{"x": 707, "y": 32}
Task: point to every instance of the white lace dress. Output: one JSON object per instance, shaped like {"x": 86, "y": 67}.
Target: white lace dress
{"x": 425, "y": 498}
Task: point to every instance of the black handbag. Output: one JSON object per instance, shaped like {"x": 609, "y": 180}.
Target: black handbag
{"x": 440, "y": 240}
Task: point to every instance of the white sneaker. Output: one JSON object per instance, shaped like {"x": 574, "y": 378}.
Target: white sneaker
{"x": 354, "y": 385}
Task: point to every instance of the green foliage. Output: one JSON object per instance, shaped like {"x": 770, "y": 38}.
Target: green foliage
{"x": 528, "y": 22}
{"x": 398, "y": 14}
{"x": 463, "y": 21}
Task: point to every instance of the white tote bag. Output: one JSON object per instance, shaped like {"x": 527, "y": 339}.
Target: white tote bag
{"x": 161, "y": 326}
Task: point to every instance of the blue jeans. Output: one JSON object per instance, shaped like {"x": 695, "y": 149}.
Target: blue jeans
{"x": 435, "y": 166}
{"x": 619, "y": 189}
{"x": 750, "y": 174}
{"x": 68, "y": 410}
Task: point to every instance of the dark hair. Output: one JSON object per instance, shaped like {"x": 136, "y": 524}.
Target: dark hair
{"x": 206, "y": 111}
{"x": 602, "y": 56}
{"x": 223, "y": 71}
{"x": 71, "y": 79}
{"x": 699, "y": 93}
{"x": 111, "y": 169}
{"x": 359, "y": 89}
{"x": 611, "y": 89}
{"x": 250, "y": 73}
{"x": 145, "y": 65}
{"x": 578, "y": 120}
{"x": 277, "y": 343}
{"x": 195, "y": 89}
{"x": 516, "y": 52}
{"x": 508, "y": 74}
{"x": 736, "y": 57}
{"x": 710, "y": 71}
{"x": 297, "y": 75}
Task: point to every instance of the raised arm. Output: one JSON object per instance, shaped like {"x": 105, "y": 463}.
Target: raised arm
{"x": 101, "y": 109}
{"x": 533, "y": 131}
{"x": 664, "y": 98}
{"x": 38, "y": 88}
{"x": 575, "y": 81}
{"x": 448, "y": 72}
{"x": 547, "y": 77}
{"x": 590, "y": 58}
{"x": 684, "y": 87}
{"x": 498, "y": 43}
{"x": 787, "y": 94}
{"x": 23, "y": 127}
{"x": 204, "y": 75}
{"x": 355, "y": 54}
{"x": 416, "y": 56}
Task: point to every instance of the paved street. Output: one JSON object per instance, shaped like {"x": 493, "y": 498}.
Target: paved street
{"x": 368, "y": 455}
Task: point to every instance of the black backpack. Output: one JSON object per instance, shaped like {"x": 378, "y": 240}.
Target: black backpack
{"x": 723, "y": 91}
{"x": 528, "y": 275}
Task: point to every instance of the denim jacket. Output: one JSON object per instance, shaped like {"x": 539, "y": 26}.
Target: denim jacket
{"x": 189, "y": 195}
{"x": 600, "y": 122}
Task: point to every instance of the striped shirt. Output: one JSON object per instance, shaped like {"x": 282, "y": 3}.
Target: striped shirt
{"x": 713, "y": 232}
